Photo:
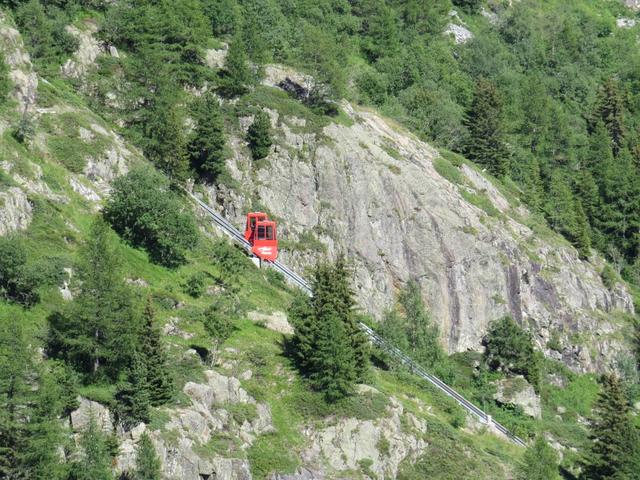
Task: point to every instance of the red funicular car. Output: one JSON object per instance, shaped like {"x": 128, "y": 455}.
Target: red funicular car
{"x": 260, "y": 232}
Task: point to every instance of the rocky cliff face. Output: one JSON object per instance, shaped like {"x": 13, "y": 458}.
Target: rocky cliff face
{"x": 371, "y": 190}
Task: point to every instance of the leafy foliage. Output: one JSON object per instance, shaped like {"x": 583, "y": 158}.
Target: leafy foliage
{"x": 5, "y": 85}
{"x": 510, "y": 348}
{"x": 145, "y": 212}
{"x": 540, "y": 462}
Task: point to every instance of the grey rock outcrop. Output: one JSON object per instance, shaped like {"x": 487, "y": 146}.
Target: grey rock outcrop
{"x": 21, "y": 74}
{"x": 15, "y": 210}
{"x": 85, "y": 56}
{"x": 517, "y": 391}
{"x": 632, "y": 4}
{"x": 276, "y": 321}
{"x": 350, "y": 441}
{"x": 180, "y": 443}
{"x": 371, "y": 190}
{"x": 88, "y": 410}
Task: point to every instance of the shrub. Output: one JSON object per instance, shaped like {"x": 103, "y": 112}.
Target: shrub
{"x": 609, "y": 277}
{"x": 17, "y": 283}
{"x": 5, "y": 85}
{"x": 148, "y": 214}
{"x": 218, "y": 318}
{"x": 509, "y": 348}
{"x": 194, "y": 285}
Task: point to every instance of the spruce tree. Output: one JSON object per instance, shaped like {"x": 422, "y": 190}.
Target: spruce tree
{"x": 207, "y": 146}
{"x": 614, "y": 438}
{"x": 610, "y": 110}
{"x": 147, "y": 461}
{"x": 540, "y": 462}
{"x": 327, "y": 346}
{"x": 132, "y": 394}
{"x": 98, "y": 329}
{"x": 158, "y": 378}
{"x": 259, "y": 135}
{"x": 95, "y": 460}
{"x": 486, "y": 143}
{"x": 333, "y": 361}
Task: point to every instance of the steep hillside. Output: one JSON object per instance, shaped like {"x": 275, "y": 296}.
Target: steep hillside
{"x": 168, "y": 94}
{"x": 400, "y": 210}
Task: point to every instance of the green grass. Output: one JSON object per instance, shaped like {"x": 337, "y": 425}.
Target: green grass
{"x": 448, "y": 171}
{"x": 481, "y": 201}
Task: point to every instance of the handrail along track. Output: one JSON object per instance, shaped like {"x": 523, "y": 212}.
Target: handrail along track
{"x": 376, "y": 339}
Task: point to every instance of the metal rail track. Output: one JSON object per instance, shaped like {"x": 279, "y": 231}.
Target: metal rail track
{"x": 376, "y": 339}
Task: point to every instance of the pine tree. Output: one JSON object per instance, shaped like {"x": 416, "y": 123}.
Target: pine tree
{"x": 610, "y": 110}
{"x": 540, "y": 462}
{"x": 132, "y": 395}
{"x": 259, "y": 135}
{"x": 486, "y": 144}
{"x": 159, "y": 381}
{"x": 147, "y": 461}
{"x": 98, "y": 329}
{"x": 306, "y": 331}
{"x": 95, "y": 461}
{"x": 614, "y": 437}
{"x": 207, "y": 146}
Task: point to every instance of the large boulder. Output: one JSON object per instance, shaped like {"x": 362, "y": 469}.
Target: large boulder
{"x": 89, "y": 410}
{"x": 517, "y": 391}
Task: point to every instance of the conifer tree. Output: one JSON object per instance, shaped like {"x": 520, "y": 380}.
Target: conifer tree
{"x": 158, "y": 379}
{"x": 615, "y": 441}
{"x": 132, "y": 395}
{"x": 98, "y": 329}
{"x": 207, "y": 146}
{"x": 332, "y": 359}
{"x": 95, "y": 460}
{"x": 540, "y": 462}
{"x": 259, "y": 135}
{"x": 486, "y": 144}
{"x": 326, "y": 345}
{"x": 236, "y": 75}
{"x": 147, "y": 461}
{"x": 610, "y": 110}
{"x": 29, "y": 408}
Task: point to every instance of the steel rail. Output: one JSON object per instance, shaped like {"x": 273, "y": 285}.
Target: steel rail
{"x": 374, "y": 337}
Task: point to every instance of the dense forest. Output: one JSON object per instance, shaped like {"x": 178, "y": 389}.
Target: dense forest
{"x": 545, "y": 98}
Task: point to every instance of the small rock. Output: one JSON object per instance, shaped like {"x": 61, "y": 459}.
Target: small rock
{"x": 623, "y": 22}
{"x": 138, "y": 431}
{"x": 460, "y": 34}
{"x": 136, "y": 282}
{"x": 87, "y": 410}
{"x": 561, "y": 410}
{"x": 276, "y": 321}
{"x": 246, "y": 375}
{"x": 113, "y": 51}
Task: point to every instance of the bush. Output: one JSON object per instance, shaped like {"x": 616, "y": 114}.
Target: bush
{"x": 148, "y": 214}
{"x": 194, "y": 285}
{"x": 17, "y": 282}
{"x": 218, "y": 319}
{"x": 509, "y": 348}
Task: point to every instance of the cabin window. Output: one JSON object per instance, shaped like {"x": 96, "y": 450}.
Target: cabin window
{"x": 270, "y": 232}
{"x": 252, "y": 223}
{"x": 261, "y": 232}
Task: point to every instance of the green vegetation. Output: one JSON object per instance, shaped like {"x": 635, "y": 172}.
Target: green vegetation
{"x": 207, "y": 146}
{"x": 5, "y": 84}
{"x": 18, "y": 282}
{"x": 510, "y": 348}
{"x": 259, "y": 135}
{"x": 328, "y": 347}
{"x": 615, "y": 447}
{"x": 540, "y": 462}
{"x": 146, "y": 212}
{"x": 147, "y": 461}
